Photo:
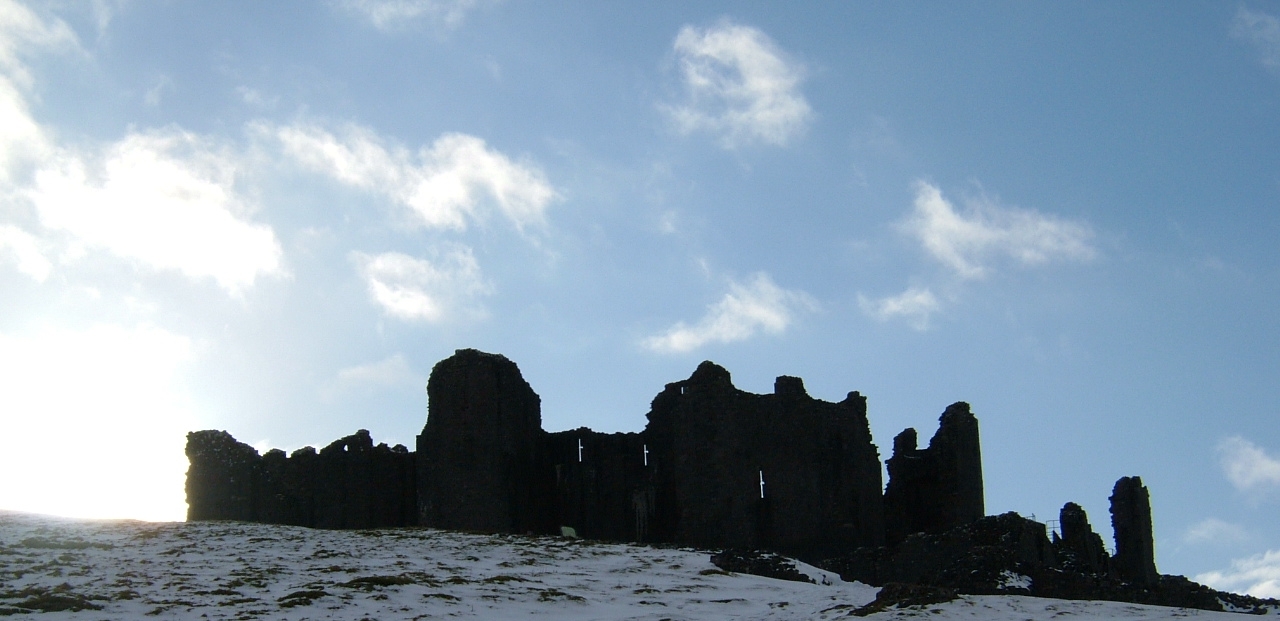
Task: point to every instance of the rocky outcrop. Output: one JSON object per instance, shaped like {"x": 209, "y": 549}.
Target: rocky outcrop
{"x": 1135, "y": 559}
{"x": 1009, "y": 554}
{"x": 938, "y": 488}
{"x": 480, "y": 451}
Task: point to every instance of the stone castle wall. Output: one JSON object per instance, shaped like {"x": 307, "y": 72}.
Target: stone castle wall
{"x": 714, "y": 467}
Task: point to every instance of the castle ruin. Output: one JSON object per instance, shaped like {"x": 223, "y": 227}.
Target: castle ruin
{"x": 715, "y": 467}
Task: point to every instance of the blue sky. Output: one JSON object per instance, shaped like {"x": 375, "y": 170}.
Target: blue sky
{"x": 274, "y": 218}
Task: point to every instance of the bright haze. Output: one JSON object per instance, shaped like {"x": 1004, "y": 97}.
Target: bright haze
{"x": 274, "y": 218}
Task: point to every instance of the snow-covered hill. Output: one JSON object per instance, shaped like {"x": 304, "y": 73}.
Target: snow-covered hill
{"x": 127, "y": 570}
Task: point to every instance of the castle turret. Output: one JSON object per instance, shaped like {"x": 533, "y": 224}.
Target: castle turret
{"x": 480, "y": 451}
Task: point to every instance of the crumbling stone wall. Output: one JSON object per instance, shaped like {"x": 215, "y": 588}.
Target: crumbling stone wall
{"x": 349, "y": 484}
{"x": 713, "y": 445}
{"x": 938, "y": 488}
{"x": 1078, "y": 547}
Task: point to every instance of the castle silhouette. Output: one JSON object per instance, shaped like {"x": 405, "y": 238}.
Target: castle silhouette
{"x": 716, "y": 468}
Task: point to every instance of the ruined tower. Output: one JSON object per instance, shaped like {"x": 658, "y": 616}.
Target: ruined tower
{"x": 479, "y": 453}
{"x": 1135, "y": 559}
{"x": 935, "y": 489}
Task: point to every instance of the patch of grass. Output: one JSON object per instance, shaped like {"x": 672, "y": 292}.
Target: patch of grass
{"x": 551, "y": 595}
{"x": 222, "y": 591}
{"x": 714, "y": 572}
{"x": 444, "y": 596}
{"x": 70, "y": 544}
{"x": 57, "y": 599}
{"x": 504, "y": 579}
{"x": 369, "y": 583}
{"x": 301, "y": 598}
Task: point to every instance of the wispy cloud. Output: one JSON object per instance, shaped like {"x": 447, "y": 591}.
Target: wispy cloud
{"x": 969, "y": 241}
{"x": 1260, "y": 30}
{"x": 23, "y": 141}
{"x": 914, "y": 305}
{"x": 24, "y": 249}
{"x": 1257, "y": 575}
{"x": 740, "y": 86}
{"x": 391, "y": 15}
{"x": 166, "y": 200}
{"x": 1247, "y": 466}
{"x": 1215, "y": 531}
{"x": 22, "y": 31}
{"x": 747, "y": 309}
{"x": 445, "y": 286}
{"x": 455, "y": 180}
{"x": 391, "y": 371}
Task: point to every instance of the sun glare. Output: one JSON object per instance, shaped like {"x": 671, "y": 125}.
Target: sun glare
{"x": 95, "y": 422}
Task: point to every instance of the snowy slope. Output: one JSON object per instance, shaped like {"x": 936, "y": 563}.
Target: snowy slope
{"x": 253, "y": 571}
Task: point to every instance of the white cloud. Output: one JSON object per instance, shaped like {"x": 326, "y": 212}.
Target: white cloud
{"x": 968, "y": 242}
{"x": 432, "y": 290}
{"x": 758, "y": 306}
{"x": 914, "y": 305}
{"x": 1257, "y": 575}
{"x": 1262, "y": 31}
{"x": 1215, "y": 531}
{"x": 163, "y": 199}
{"x": 390, "y": 15}
{"x": 740, "y": 86}
{"x": 22, "y": 140}
{"x": 1247, "y": 466}
{"x": 392, "y": 371}
{"x": 447, "y": 184}
{"x": 25, "y": 250}
{"x": 22, "y": 31}
{"x": 96, "y": 421}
